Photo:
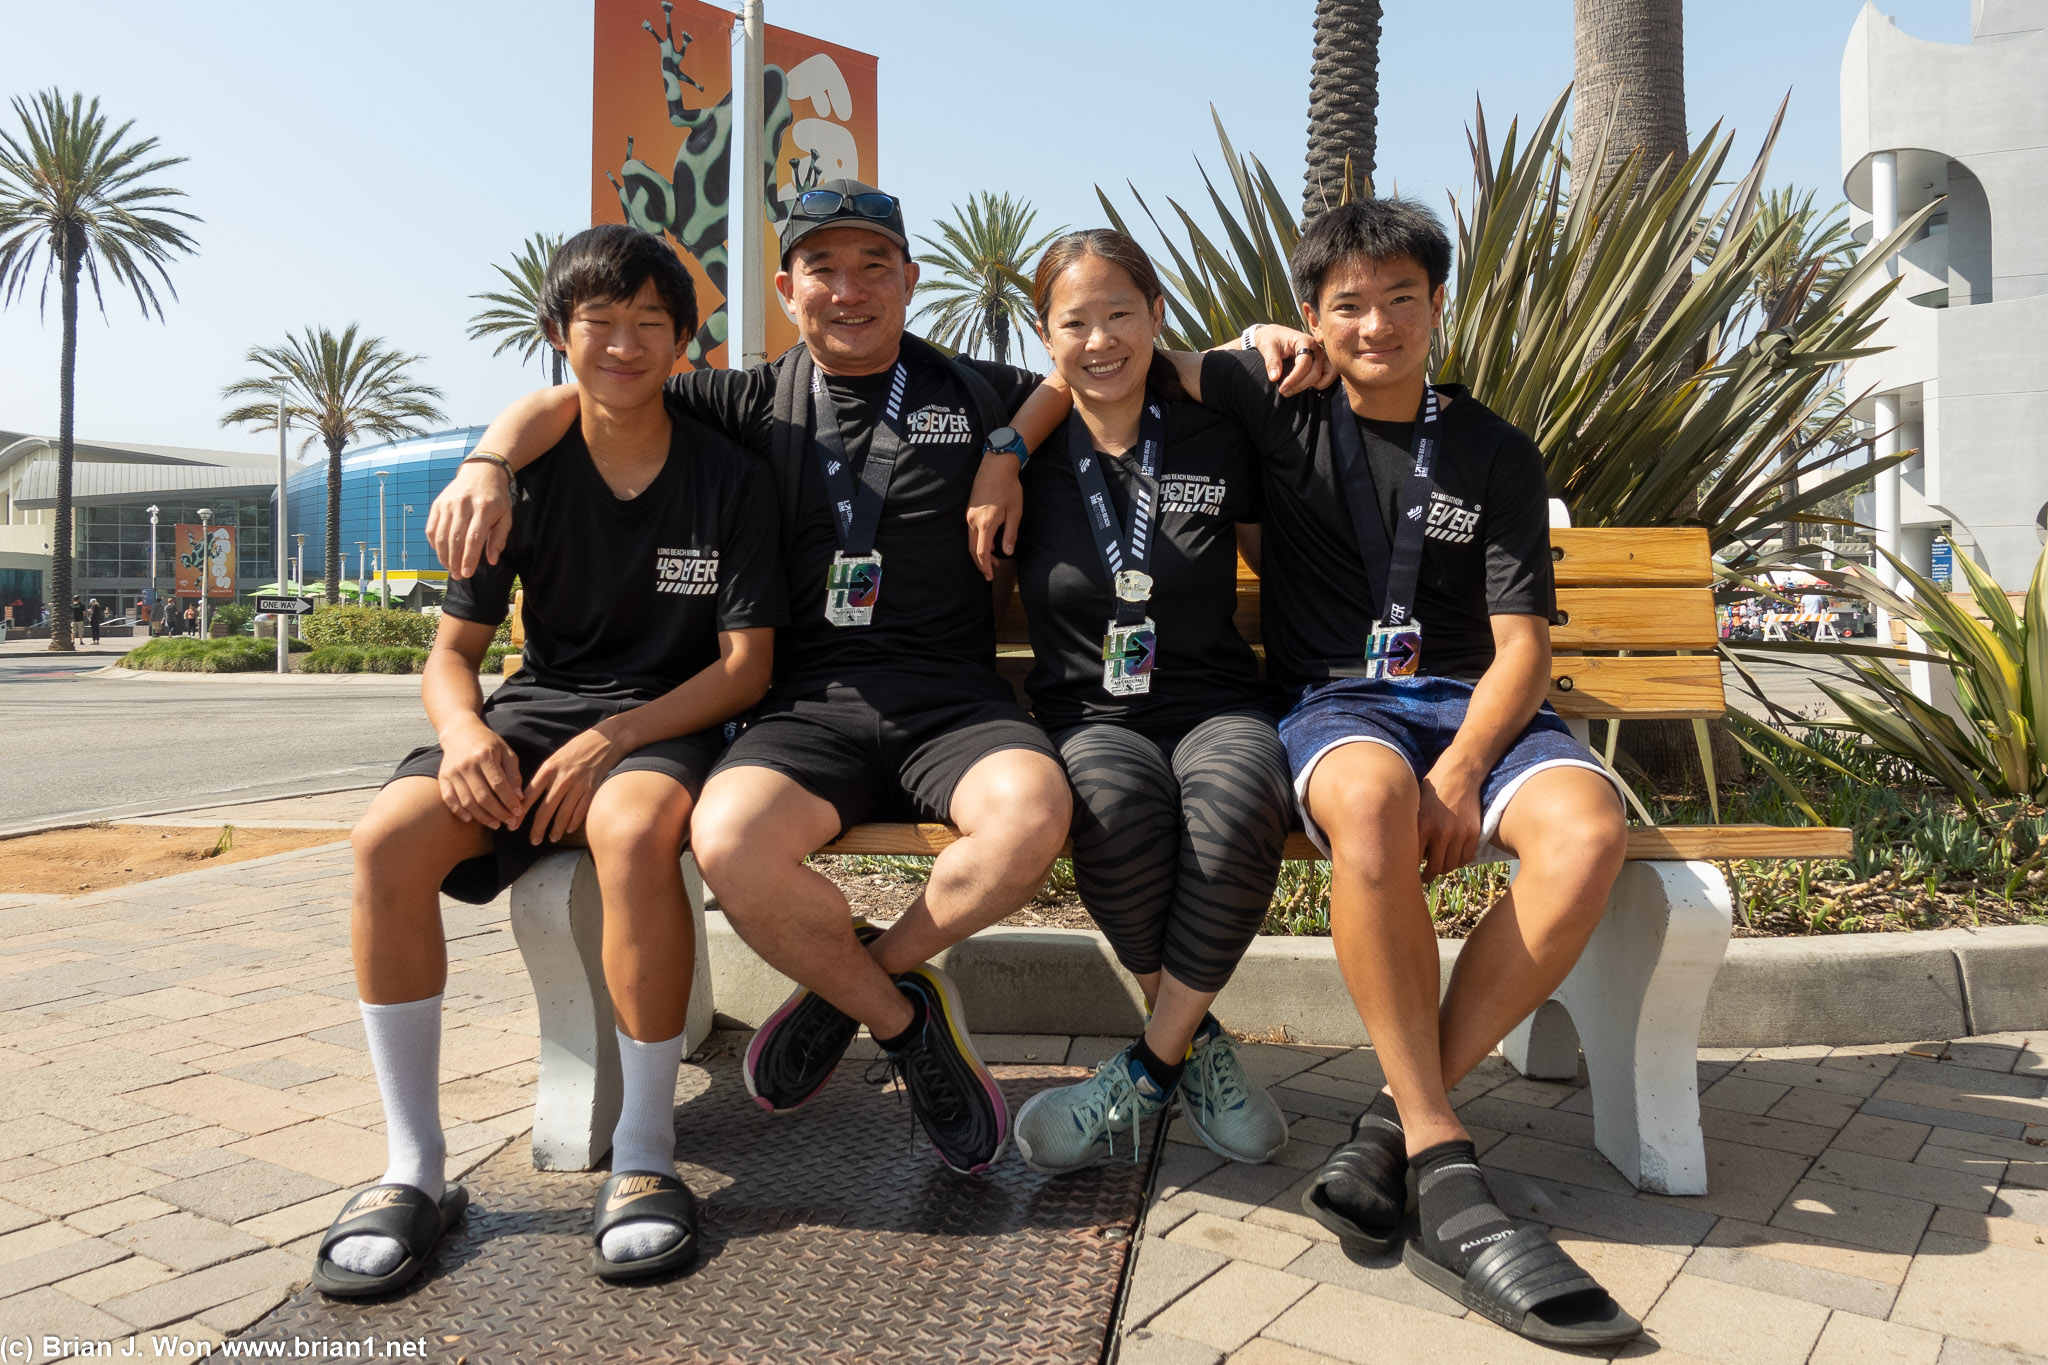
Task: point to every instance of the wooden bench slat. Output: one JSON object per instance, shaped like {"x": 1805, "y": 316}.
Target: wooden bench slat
{"x": 1635, "y": 618}
{"x": 1655, "y": 687}
{"x": 1632, "y": 556}
{"x": 1645, "y": 844}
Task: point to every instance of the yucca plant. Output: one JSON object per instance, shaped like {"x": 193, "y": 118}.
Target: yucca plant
{"x": 1997, "y": 750}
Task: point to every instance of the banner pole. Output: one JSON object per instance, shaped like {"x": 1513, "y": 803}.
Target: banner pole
{"x": 750, "y": 339}
{"x": 284, "y": 648}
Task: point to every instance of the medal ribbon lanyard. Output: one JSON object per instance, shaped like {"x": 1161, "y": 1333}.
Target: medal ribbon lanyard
{"x": 1392, "y": 568}
{"x": 857, "y": 512}
{"x": 1126, "y": 556}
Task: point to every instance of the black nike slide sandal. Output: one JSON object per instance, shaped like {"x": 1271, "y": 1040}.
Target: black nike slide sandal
{"x": 1379, "y": 1161}
{"x": 1530, "y": 1285}
{"x": 399, "y": 1212}
{"x": 633, "y": 1195}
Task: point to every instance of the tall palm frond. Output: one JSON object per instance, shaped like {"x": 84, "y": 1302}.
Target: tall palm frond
{"x": 515, "y": 317}
{"x": 337, "y": 388}
{"x": 983, "y": 294}
{"x": 77, "y": 198}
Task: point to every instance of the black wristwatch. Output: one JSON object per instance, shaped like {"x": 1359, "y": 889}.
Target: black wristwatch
{"x": 1006, "y": 441}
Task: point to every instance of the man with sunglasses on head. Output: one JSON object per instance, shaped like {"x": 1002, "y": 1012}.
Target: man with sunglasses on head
{"x": 886, "y": 703}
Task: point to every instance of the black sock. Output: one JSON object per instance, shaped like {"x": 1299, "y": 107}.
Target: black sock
{"x": 1380, "y": 1115}
{"x": 917, "y": 1018}
{"x": 1459, "y": 1218}
{"x": 1165, "y": 1075}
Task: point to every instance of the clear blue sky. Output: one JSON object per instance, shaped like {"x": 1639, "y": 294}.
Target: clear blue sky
{"x": 367, "y": 161}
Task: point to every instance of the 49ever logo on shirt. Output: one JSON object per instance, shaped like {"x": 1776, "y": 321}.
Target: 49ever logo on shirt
{"x": 693, "y": 573}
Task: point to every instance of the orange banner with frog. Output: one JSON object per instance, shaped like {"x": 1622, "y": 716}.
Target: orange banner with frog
{"x": 662, "y": 138}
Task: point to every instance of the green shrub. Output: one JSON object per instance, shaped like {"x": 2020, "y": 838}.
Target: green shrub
{"x": 333, "y": 659}
{"x": 233, "y": 617}
{"x": 183, "y": 654}
{"x": 367, "y": 626}
{"x": 494, "y": 658}
{"x": 394, "y": 659}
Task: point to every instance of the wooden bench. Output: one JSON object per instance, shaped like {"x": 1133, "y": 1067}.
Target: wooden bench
{"x": 1634, "y": 640}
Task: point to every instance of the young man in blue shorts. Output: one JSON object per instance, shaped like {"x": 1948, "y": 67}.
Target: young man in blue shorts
{"x": 1407, "y": 599}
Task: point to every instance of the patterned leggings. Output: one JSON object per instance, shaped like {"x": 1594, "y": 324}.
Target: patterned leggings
{"x": 1177, "y": 846}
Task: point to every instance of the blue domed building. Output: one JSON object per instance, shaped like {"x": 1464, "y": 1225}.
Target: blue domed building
{"x": 416, "y": 470}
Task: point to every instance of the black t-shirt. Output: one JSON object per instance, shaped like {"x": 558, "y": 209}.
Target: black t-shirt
{"x": 625, "y": 597}
{"x": 935, "y": 617}
{"x": 1208, "y": 486}
{"x": 1487, "y": 545}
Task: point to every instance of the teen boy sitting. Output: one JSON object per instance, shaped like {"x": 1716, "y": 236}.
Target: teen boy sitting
{"x": 647, "y": 549}
{"x": 1407, "y": 602}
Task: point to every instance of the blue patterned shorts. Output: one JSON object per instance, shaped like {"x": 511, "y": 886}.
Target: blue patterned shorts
{"x": 1418, "y": 718}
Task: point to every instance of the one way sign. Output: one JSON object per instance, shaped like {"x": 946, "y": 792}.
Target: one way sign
{"x": 285, "y": 606}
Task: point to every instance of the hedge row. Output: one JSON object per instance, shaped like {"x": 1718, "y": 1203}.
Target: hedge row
{"x": 368, "y": 626}
{"x": 380, "y": 659}
{"x": 183, "y": 654}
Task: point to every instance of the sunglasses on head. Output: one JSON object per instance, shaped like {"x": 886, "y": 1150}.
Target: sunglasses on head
{"x": 832, "y": 204}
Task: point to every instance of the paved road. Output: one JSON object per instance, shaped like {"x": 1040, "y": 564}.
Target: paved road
{"x": 82, "y": 747}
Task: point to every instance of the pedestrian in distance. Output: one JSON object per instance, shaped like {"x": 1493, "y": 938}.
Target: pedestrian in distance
{"x": 94, "y": 615}
{"x": 611, "y": 727}
{"x": 1127, "y": 562}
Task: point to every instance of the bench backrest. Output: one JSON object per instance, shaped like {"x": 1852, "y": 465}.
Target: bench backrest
{"x": 1641, "y": 592}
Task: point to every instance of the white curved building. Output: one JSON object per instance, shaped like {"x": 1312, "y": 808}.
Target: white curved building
{"x": 1966, "y": 380}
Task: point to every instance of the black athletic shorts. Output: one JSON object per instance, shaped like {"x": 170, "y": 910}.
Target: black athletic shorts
{"x": 892, "y": 752}
{"x": 535, "y": 721}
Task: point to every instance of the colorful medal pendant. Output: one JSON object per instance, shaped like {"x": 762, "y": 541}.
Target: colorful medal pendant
{"x": 852, "y": 587}
{"x": 1393, "y": 652}
{"x": 1128, "y": 653}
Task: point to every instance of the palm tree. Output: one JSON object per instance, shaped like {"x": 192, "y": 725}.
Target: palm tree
{"x": 1343, "y": 102}
{"x": 516, "y": 318}
{"x": 74, "y": 194}
{"x": 984, "y": 296}
{"x": 337, "y": 387}
{"x": 1628, "y": 88}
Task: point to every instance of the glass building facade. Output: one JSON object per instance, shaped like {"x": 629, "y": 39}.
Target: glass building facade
{"x": 112, "y": 543}
{"x": 419, "y": 468}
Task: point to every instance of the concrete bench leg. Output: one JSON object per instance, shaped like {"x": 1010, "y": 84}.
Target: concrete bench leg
{"x": 1636, "y": 997}
{"x": 558, "y": 921}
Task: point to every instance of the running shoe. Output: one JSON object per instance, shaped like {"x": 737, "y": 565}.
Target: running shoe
{"x": 952, "y": 1094}
{"x": 793, "y": 1053}
{"x": 1071, "y": 1126}
{"x": 1226, "y": 1108}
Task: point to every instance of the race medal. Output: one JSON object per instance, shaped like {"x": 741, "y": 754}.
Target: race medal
{"x": 1133, "y": 585}
{"x": 1392, "y": 652}
{"x": 1128, "y": 653}
{"x": 852, "y": 587}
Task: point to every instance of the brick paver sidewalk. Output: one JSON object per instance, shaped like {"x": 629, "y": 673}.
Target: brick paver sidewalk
{"x": 1867, "y": 1204}
{"x": 191, "y": 1102}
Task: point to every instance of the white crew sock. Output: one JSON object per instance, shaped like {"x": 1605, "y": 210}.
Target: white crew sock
{"x": 645, "y": 1139}
{"x": 405, "y": 1048}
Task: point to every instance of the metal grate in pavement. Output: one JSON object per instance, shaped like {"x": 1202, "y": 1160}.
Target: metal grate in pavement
{"x": 832, "y": 1234}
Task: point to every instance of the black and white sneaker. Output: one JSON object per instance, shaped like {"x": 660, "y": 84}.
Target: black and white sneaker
{"x": 793, "y": 1053}
{"x": 952, "y": 1094}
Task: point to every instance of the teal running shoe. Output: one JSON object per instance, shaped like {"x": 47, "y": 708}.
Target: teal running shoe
{"x": 1233, "y": 1116}
{"x": 1071, "y": 1126}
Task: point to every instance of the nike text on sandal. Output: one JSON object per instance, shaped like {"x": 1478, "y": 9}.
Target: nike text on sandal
{"x": 1376, "y": 1161}
{"x": 954, "y": 1096}
{"x": 630, "y": 1196}
{"x": 1531, "y": 1286}
{"x": 399, "y": 1212}
{"x": 793, "y": 1053}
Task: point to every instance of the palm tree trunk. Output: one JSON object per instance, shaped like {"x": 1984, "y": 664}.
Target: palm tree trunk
{"x": 62, "y": 585}
{"x": 997, "y": 324}
{"x": 1343, "y": 101}
{"x": 1629, "y": 60}
{"x": 333, "y": 567}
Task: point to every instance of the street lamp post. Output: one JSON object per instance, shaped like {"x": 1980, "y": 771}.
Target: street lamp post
{"x": 362, "y": 569}
{"x": 404, "y": 536}
{"x": 205, "y": 563}
{"x": 152, "y": 558}
{"x": 383, "y": 583}
{"x": 299, "y": 561}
